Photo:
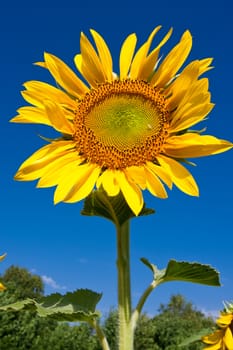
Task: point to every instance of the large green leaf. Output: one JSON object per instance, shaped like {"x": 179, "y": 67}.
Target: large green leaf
{"x": 98, "y": 203}
{"x": 186, "y": 272}
{"x": 76, "y": 306}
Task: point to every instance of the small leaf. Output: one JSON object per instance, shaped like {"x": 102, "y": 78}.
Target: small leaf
{"x": 76, "y": 306}
{"x": 186, "y": 272}
{"x": 98, "y": 203}
{"x": 156, "y": 272}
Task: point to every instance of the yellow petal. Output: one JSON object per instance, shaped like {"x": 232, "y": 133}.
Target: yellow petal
{"x": 225, "y": 319}
{"x": 173, "y": 61}
{"x": 77, "y": 183}
{"x": 64, "y": 76}
{"x": 195, "y": 94}
{"x": 191, "y": 145}
{"x": 181, "y": 84}
{"x": 126, "y": 55}
{"x": 46, "y": 91}
{"x": 84, "y": 186}
{"x": 84, "y": 70}
{"x": 57, "y": 168}
{"x": 57, "y": 118}
{"x": 161, "y": 173}
{"x": 141, "y": 54}
{"x": 137, "y": 175}
{"x": 179, "y": 175}
{"x": 41, "y": 64}
{"x": 35, "y": 166}
{"x": 2, "y": 257}
{"x": 131, "y": 192}
{"x": 154, "y": 185}
{"x": 205, "y": 65}
{"x": 194, "y": 115}
{"x": 33, "y": 115}
{"x": 109, "y": 183}
{"x": 32, "y": 98}
{"x": 104, "y": 54}
{"x": 186, "y": 108}
{"x": 228, "y": 339}
{"x": 188, "y": 77}
{"x": 213, "y": 338}
{"x": 2, "y": 287}
{"x": 91, "y": 60}
{"x": 150, "y": 62}
{"x": 217, "y": 346}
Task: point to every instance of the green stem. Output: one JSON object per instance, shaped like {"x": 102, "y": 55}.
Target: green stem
{"x": 124, "y": 291}
{"x": 100, "y": 334}
{"x": 142, "y": 300}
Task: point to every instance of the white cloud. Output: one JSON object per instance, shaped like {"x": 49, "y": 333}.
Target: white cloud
{"x": 49, "y": 281}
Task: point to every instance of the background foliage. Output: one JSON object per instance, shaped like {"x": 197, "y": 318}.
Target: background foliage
{"x": 172, "y": 323}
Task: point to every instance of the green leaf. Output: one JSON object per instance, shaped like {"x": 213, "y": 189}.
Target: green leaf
{"x": 98, "y": 203}
{"x": 186, "y": 272}
{"x": 73, "y": 306}
{"x": 191, "y": 272}
{"x": 196, "y": 337}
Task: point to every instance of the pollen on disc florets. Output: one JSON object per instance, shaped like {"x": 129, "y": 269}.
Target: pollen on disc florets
{"x": 121, "y": 123}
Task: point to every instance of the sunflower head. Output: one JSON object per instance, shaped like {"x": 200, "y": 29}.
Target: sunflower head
{"x": 222, "y": 338}
{"x": 124, "y": 132}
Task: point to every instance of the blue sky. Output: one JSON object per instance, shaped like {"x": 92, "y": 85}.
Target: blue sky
{"x": 71, "y": 251}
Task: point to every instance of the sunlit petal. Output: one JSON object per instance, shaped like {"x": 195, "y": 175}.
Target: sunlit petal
{"x": 64, "y": 76}
{"x": 179, "y": 175}
{"x": 35, "y": 166}
{"x": 104, "y": 54}
{"x": 173, "y": 61}
{"x": 57, "y": 118}
{"x": 126, "y": 55}
{"x": 109, "y": 182}
{"x": 131, "y": 192}
{"x": 141, "y": 54}
{"x": 192, "y": 145}
{"x": 77, "y": 183}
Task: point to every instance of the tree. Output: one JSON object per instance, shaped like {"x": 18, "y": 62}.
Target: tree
{"x": 144, "y": 335}
{"x": 22, "y": 330}
{"x": 177, "y": 321}
{"x": 25, "y": 330}
{"x": 70, "y": 337}
{"x": 22, "y": 284}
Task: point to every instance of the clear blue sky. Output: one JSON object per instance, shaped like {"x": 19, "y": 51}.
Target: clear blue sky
{"x": 72, "y": 251}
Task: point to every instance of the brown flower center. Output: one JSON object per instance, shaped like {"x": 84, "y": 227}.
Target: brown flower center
{"x": 120, "y": 124}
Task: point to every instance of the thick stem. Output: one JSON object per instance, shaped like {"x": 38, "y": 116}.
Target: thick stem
{"x": 124, "y": 291}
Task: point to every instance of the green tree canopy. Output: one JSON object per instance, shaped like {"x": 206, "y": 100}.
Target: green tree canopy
{"x": 22, "y": 284}
{"x": 25, "y": 330}
{"x": 174, "y": 323}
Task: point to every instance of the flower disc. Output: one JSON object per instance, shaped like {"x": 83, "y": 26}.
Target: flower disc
{"x": 120, "y": 124}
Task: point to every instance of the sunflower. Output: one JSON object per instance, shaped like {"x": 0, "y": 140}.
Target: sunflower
{"x": 2, "y": 287}
{"x": 222, "y": 338}
{"x": 128, "y": 132}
